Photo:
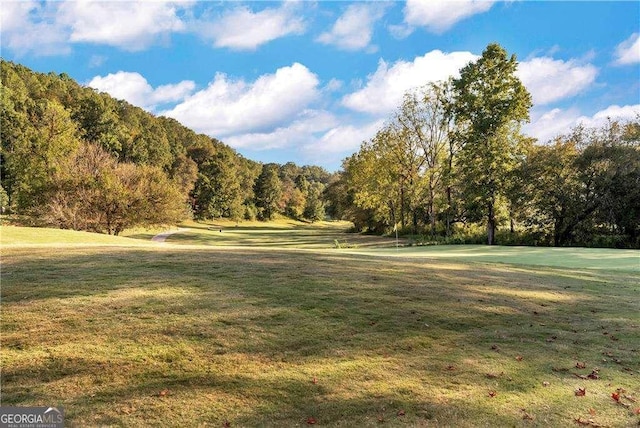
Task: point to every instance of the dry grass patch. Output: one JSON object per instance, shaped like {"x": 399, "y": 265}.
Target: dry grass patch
{"x": 175, "y": 337}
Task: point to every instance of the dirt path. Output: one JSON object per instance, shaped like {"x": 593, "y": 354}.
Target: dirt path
{"x": 161, "y": 237}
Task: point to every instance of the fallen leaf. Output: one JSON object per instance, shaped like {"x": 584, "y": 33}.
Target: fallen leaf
{"x": 581, "y": 365}
{"x": 451, "y": 368}
{"x": 637, "y": 411}
{"x": 311, "y": 421}
{"x": 227, "y": 424}
{"x": 594, "y": 375}
{"x": 492, "y": 394}
{"x": 519, "y": 358}
{"x": 630, "y": 398}
{"x": 495, "y": 347}
{"x": 587, "y": 422}
{"x": 163, "y": 393}
{"x": 581, "y": 392}
{"x": 401, "y": 413}
{"x": 615, "y": 396}
{"x": 380, "y": 418}
{"x": 545, "y": 383}
{"x": 526, "y": 416}
{"x": 592, "y": 411}
{"x": 315, "y": 380}
{"x": 580, "y": 421}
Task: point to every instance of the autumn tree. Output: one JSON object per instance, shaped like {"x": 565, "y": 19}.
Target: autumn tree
{"x": 490, "y": 104}
{"x": 424, "y": 125}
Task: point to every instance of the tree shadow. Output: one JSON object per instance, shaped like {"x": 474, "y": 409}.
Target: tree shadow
{"x": 369, "y": 320}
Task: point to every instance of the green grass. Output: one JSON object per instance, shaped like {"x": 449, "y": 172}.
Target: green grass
{"x": 279, "y": 234}
{"x": 173, "y": 335}
{"x": 14, "y": 236}
{"x": 572, "y": 258}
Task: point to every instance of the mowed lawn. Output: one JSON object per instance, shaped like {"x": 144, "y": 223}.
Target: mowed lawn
{"x": 174, "y": 335}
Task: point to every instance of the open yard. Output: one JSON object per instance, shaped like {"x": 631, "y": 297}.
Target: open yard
{"x": 253, "y": 331}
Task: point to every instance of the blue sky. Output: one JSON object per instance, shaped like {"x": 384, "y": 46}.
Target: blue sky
{"x": 308, "y": 81}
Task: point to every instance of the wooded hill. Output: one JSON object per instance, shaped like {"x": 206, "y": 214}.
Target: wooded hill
{"x": 76, "y": 158}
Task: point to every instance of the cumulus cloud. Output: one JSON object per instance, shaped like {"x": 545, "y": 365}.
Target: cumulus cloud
{"x": 242, "y": 29}
{"x": 128, "y": 25}
{"x": 628, "y": 52}
{"x": 230, "y": 107}
{"x": 353, "y": 30}
{"x": 135, "y": 89}
{"x": 338, "y": 142}
{"x": 302, "y": 130}
{"x": 385, "y": 88}
{"x": 48, "y": 28}
{"x": 546, "y": 125}
{"x": 30, "y": 27}
{"x": 346, "y": 138}
{"x": 551, "y": 80}
{"x": 438, "y": 16}
{"x": 613, "y": 112}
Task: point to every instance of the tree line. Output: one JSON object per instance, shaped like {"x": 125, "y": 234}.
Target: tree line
{"x": 72, "y": 157}
{"x": 452, "y": 165}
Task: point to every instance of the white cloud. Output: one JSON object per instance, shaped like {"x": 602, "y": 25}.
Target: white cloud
{"x": 385, "y": 88}
{"x": 347, "y": 138}
{"x": 135, "y": 89}
{"x": 438, "y": 16}
{"x": 628, "y": 52}
{"x": 550, "y": 80}
{"x": 230, "y": 107}
{"x": 353, "y": 30}
{"x": 31, "y": 27}
{"x": 48, "y": 28}
{"x": 545, "y": 126}
{"x": 128, "y": 25}
{"x": 613, "y": 112}
{"x": 243, "y": 29}
{"x": 338, "y": 142}
{"x": 300, "y": 131}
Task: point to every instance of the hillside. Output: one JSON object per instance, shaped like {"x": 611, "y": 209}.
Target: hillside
{"x": 63, "y": 143}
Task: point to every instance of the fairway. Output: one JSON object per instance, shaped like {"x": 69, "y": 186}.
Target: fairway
{"x": 572, "y": 258}
{"x": 255, "y": 335}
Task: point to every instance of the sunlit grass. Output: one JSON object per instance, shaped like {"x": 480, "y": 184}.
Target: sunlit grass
{"x": 192, "y": 336}
{"x": 566, "y": 258}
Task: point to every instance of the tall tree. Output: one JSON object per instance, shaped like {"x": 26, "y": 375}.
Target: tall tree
{"x": 425, "y": 125}
{"x": 490, "y": 104}
{"x": 268, "y": 191}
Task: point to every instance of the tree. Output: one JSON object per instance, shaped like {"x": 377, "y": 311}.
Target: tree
{"x": 314, "y": 207}
{"x": 268, "y": 191}
{"x": 94, "y": 192}
{"x": 40, "y": 152}
{"x": 217, "y": 192}
{"x": 490, "y": 104}
{"x": 425, "y": 125}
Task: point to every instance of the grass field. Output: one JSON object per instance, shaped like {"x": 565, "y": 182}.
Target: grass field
{"x": 128, "y": 333}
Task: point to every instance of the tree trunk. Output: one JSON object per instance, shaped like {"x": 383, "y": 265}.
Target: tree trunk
{"x": 449, "y": 209}
{"x": 491, "y": 225}
{"x": 402, "y": 222}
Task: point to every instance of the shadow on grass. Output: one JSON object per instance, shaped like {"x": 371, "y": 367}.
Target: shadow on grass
{"x": 238, "y": 335}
